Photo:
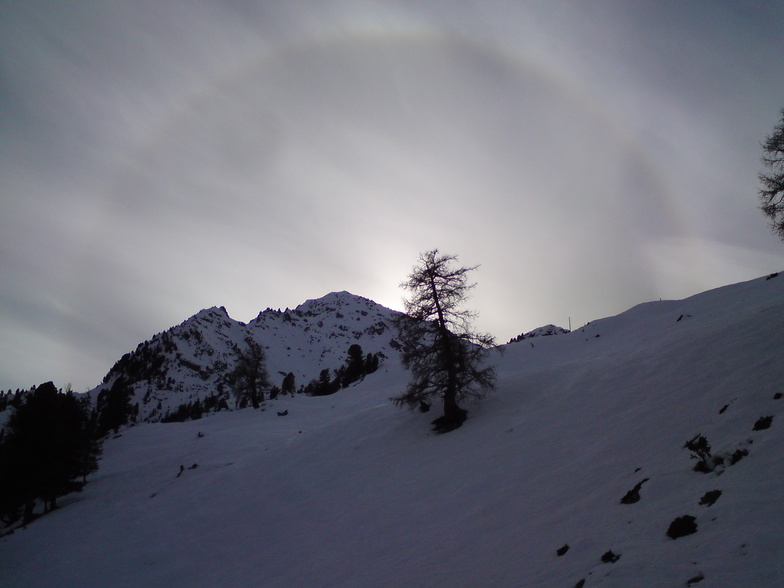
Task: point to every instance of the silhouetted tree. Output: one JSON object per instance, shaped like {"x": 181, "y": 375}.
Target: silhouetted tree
{"x": 90, "y": 441}
{"x": 772, "y": 178}
{"x": 189, "y": 411}
{"x": 48, "y": 446}
{"x": 250, "y": 378}
{"x": 445, "y": 357}
{"x": 355, "y": 365}
{"x": 371, "y": 363}
{"x": 114, "y": 407}
{"x": 288, "y": 385}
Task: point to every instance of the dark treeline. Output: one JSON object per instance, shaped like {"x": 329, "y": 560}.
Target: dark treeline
{"x": 357, "y": 366}
{"x": 251, "y": 384}
{"x": 48, "y": 447}
{"x": 11, "y": 399}
{"x": 194, "y": 410}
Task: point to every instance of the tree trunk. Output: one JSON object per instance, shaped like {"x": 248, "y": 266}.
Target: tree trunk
{"x": 28, "y": 511}
{"x": 453, "y": 412}
{"x": 454, "y": 416}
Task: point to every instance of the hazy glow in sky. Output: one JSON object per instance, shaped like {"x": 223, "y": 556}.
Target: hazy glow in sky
{"x": 159, "y": 157}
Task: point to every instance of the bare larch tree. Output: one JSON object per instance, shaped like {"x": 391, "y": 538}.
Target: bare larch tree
{"x": 446, "y": 358}
{"x": 771, "y": 193}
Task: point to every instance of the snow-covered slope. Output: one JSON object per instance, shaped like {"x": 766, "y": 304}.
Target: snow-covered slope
{"x": 193, "y": 360}
{"x": 346, "y": 490}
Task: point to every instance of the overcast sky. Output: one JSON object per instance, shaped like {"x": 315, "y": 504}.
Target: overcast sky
{"x": 162, "y": 156}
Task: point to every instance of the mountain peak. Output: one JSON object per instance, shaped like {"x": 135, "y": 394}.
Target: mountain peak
{"x": 340, "y": 298}
{"x": 213, "y": 311}
{"x": 195, "y": 359}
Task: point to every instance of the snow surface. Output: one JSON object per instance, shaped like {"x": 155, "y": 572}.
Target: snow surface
{"x": 346, "y": 490}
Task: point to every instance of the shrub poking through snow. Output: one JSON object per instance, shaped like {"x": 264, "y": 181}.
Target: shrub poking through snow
{"x": 701, "y": 451}
{"x": 682, "y": 526}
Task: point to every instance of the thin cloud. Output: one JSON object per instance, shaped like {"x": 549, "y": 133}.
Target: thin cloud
{"x": 163, "y": 158}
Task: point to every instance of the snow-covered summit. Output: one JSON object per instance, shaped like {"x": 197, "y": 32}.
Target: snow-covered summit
{"x": 545, "y": 331}
{"x": 337, "y": 300}
{"x": 193, "y": 360}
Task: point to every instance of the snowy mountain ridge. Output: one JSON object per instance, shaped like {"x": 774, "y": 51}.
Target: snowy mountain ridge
{"x": 193, "y": 360}
{"x": 587, "y": 467}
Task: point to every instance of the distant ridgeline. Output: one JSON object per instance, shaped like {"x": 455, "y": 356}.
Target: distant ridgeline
{"x": 211, "y": 362}
{"x": 545, "y": 331}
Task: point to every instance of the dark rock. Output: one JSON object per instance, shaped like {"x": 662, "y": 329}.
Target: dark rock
{"x": 710, "y": 497}
{"x": 633, "y": 495}
{"x": 738, "y": 455}
{"x": 695, "y": 580}
{"x": 283, "y": 413}
{"x": 777, "y": 396}
{"x": 610, "y": 557}
{"x": 763, "y": 423}
{"x": 562, "y": 550}
{"x": 682, "y": 526}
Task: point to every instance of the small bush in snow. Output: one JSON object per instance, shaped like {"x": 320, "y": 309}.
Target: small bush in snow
{"x": 701, "y": 451}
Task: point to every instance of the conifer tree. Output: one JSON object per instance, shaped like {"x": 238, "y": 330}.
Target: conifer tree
{"x": 446, "y": 358}
{"x": 288, "y": 385}
{"x": 114, "y": 407}
{"x": 772, "y": 179}
{"x": 49, "y": 445}
{"x": 250, "y": 378}
{"x": 355, "y": 365}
